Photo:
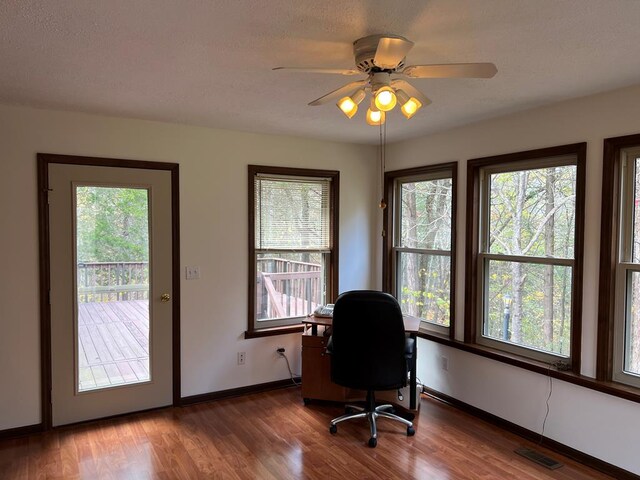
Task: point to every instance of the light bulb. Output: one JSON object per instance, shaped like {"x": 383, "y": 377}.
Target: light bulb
{"x": 409, "y": 105}
{"x": 348, "y": 106}
{"x": 375, "y": 117}
{"x": 410, "y": 108}
{"x": 385, "y": 99}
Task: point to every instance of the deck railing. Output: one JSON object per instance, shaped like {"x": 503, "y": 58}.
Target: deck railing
{"x": 287, "y": 288}
{"x": 112, "y": 281}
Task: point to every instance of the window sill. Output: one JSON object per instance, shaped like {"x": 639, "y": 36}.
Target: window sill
{"x": 269, "y": 332}
{"x": 430, "y": 334}
{"x": 610, "y": 388}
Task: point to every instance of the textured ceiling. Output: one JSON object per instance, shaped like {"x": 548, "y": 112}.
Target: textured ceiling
{"x": 209, "y": 63}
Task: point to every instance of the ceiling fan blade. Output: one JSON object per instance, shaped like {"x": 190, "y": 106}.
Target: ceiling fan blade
{"x": 344, "y": 90}
{"x": 411, "y": 91}
{"x": 452, "y": 70}
{"x": 391, "y": 51}
{"x": 338, "y": 71}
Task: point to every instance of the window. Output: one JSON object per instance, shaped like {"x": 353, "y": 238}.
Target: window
{"x": 292, "y": 245}
{"x": 420, "y": 259}
{"x": 524, "y": 261}
{"x": 619, "y": 308}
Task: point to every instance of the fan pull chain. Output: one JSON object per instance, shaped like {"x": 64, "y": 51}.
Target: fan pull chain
{"x": 383, "y": 145}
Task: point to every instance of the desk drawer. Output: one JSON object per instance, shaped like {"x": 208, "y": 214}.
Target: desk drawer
{"x": 314, "y": 341}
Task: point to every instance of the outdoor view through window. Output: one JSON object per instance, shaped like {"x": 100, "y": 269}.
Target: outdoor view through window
{"x": 632, "y": 330}
{"x": 423, "y": 249}
{"x": 292, "y": 246}
{"x": 112, "y": 254}
{"x": 528, "y": 257}
{"x": 627, "y": 357}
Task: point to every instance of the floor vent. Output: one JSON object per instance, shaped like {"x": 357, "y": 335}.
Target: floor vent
{"x": 538, "y": 458}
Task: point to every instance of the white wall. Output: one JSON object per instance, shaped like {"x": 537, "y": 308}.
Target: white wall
{"x": 603, "y": 426}
{"x": 213, "y": 224}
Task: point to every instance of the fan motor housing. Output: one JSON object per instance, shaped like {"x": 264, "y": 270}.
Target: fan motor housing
{"x": 364, "y": 50}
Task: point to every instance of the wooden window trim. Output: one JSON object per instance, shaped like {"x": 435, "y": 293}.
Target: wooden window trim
{"x": 609, "y": 222}
{"x": 473, "y": 293}
{"x": 332, "y": 274}
{"x": 388, "y": 226}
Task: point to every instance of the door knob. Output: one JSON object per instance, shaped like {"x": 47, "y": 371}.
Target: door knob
{"x": 165, "y": 297}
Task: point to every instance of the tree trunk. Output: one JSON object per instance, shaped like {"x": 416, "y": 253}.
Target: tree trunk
{"x": 431, "y": 271}
{"x": 413, "y": 281}
{"x": 517, "y": 276}
{"x": 565, "y": 289}
{"x": 547, "y": 289}
{"x": 634, "y": 330}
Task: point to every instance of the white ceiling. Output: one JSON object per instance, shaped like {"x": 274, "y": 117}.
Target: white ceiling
{"x": 208, "y": 62}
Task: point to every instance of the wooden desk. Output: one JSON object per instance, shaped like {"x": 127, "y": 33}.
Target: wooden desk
{"x": 316, "y": 364}
{"x": 411, "y": 324}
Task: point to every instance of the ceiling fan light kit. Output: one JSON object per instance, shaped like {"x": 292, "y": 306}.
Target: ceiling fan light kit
{"x": 409, "y": 106}
{"x": 379, "y": 57}
{"x": 349, "y": 105}
{"x": 375, "y": 116}
{"x": 385, "y": 99}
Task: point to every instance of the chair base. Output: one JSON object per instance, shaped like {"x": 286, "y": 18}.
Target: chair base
{"x": 371, "y": 412}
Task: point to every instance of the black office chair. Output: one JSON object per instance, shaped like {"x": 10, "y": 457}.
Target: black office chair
{"x": 369, "y": 351}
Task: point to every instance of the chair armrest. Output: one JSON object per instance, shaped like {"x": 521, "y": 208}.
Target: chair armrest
{"x": 330, "y": 346}
{"x": 409, "y": 347}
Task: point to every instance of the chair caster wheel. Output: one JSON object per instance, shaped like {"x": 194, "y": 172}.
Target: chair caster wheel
{"x": 373, "y": 442}
{"x": 306, "y": 401}
{"x": 333, "y": 428}
{"x": 410, "y": 431}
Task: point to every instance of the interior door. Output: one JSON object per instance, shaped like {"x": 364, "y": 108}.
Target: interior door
{"x": 110, "y": 250}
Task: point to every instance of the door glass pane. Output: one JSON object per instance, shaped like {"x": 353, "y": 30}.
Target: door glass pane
{"x": 424, "y": 286}
{"x": 632, "y": 327}
{"x": 112, "y": 281}
{"x": 529, "y": 305}
{"x": 289, "y": 284}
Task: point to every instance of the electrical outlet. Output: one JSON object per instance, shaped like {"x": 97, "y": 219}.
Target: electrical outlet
{"x": 444, "y": 363}
{"x": 280, "y": 350}
{"x": 242, "y": 356}
{"x": 192, "y": 273}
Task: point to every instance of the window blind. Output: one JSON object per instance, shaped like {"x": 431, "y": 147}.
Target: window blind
{"x": 291, "y": 213}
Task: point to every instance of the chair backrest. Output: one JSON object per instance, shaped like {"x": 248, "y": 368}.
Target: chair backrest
{"x": 368, "y": 341}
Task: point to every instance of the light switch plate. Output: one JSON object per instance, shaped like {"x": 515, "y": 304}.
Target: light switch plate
{"x": 192, "y": 273}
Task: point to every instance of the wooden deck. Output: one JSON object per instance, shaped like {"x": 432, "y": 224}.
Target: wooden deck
{"x": 113, "y": 343}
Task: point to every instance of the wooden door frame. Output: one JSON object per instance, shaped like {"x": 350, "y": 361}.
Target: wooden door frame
{"x": 44, "y": 160}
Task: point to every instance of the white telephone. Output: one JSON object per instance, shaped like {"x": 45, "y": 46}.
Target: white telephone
{"x": 324, "y": 310}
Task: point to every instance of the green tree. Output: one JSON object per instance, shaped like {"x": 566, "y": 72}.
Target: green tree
{"x": 532, "y": 214}
{"x": 112, "y": 224}
{"x": 426, "y": 224}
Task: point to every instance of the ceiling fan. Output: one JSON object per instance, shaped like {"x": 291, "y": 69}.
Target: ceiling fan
{"x": 382, "y": 59}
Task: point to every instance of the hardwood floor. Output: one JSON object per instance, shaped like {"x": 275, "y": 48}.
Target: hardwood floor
{"x": 273, "y": 435}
